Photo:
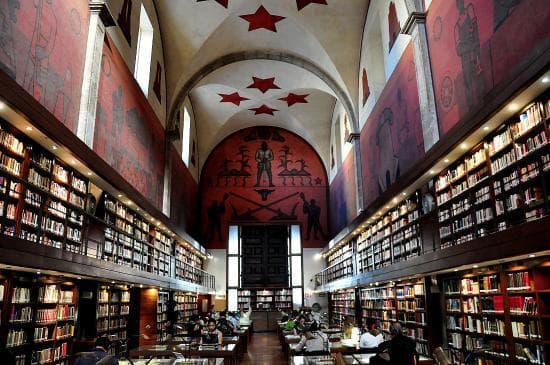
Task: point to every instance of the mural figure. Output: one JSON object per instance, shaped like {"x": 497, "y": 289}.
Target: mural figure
{"x": 264, "y": 156}
{"x": 193, "y": 152}
{"x": 42, "y": 45}
{"x": 468, "y": 49}
{"x": 388, "y": 161}
{"x": 124, "y": 19}
{"x": 157, "y": 82}
{"x": 346, "y": 128}
{"x": 215, "y": 214}
{"x": 501, "y": 10}
{"x": 365, "y": 83}
{"x": 8, "y": 18}
{"x": 63, "y": 100}
{"x": 332, "y": 162}
{"x": 313, "y": 212}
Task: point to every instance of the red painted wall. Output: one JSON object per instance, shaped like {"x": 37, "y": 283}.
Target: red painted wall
{"x": 184, "y": 198}
{"x": 343, "y": 192}
{"x": 43, "y": 48}
{"x": 231, "y": 172}
{"x": 473, "y": 50}
{"x": 128, "y": 135}
{"x": 391, "y": 140}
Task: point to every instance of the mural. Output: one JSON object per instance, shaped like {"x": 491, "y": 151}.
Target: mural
{"x": 476, "y": 43}
{"x": 184, "y": 202}
{"x": 391, "y": 140}
{"x": 43, "y": 48}
{"x": 343, "y": 190}
{"x": 128, "y": 135}
{"x": 365, "y": 86}
{"x": 264, "y": 174}
{"x": 393, "y": 25}
{"x": 124, "y": 20}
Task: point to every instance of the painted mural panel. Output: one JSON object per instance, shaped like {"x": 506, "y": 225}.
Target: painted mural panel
{"x": 343, "y": 191}
{"x": 128, "y": 136}
{"x": 391, "y": 140}
{"x": 264, "y": 174}
{"x": 474, "y": 44}
{"x": 43, "y": 48}
{"x": 184, "y": 196}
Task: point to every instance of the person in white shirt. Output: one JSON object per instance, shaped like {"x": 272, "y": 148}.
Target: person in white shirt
{"x": 313, "y": 340}
{"x": 371, "y": 339}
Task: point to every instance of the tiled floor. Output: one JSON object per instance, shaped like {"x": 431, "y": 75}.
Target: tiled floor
{"x": 264, "y": 349}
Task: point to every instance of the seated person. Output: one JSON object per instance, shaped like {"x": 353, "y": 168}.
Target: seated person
{"x": 300, "y": 325}
{"x": 195, "y": 326}
{"x": 400, "y": 348}
{"x": 102, "y": 345}
{"x": 371, "y": 339}
{"x": 224, "y": 325}
{"x": 212, "y": 335}
{"x": 232, "y": 318}
{"x": 350, "y": 331}
{"x": 313, "y": 340}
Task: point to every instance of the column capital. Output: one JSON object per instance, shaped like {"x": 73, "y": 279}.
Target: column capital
{"x": 353, "y": 136}
{"x": 415, "y": 17}
{"x": 101, "y": 8}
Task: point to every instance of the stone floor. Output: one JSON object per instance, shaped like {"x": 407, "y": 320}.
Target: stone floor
{"x": 264, "y": 349}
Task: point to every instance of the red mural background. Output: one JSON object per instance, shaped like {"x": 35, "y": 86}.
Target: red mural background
{"x": 43, "y": 48}
{"x": 343, "y": 192}
{"x": 184, "y": 197}
{"x": 474, "y": 45}
{"x": 128, "y": 135}
{"x": 391, "y": 140}
{"x": 232, "y": 191}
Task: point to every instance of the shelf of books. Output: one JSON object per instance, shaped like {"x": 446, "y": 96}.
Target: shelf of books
{"x": 392, "y": 238}
{"x": 499, "y": 310}
{"x": 185, "y": 306}
{"x": 404, "y": 302}
{"x": 342, "y": 305}
{"x": 112, "y": 311}
{"x": 41, "y": 321}
{"x": 41, "y": 199}
{"x": 340, "y": 261}
{"x": 188, "y": 260}
{"x": 162, "y": 315}
{"x": 503, "y": 181}
{"x": 265, "y": 299}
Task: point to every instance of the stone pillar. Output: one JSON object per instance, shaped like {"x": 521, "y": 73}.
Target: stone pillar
{"x": 354, "y": 138}
{"x": 100, "y": 17}
{"x": 415, "y": 26}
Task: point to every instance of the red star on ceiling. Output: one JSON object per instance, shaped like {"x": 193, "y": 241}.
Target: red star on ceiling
{"x": 303, "y": 3}
{"x": 263, "y": 84}
{"x": 292, "y": 99}
{"x": 234, "y": 98}
{"x": 262, "y": 19}
{"x": 223, "y": 3}
{"x": 264, "y": 109}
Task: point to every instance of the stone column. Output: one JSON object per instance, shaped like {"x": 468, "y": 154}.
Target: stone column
{"x": 415, "y": 26}
{"x": 354, "y": 138}
{"x": 100, "y": 17}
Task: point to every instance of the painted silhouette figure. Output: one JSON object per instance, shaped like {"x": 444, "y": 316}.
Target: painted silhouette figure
{"x": 8, "y": 19}
{"x": 42, "y": 45}
{"x": 264, "y": 156}
{"x": 468, "y": 49}
{"x": 388, "y": 160}
{"x": 313, "y": 212}
{"x": 215, "y": 213}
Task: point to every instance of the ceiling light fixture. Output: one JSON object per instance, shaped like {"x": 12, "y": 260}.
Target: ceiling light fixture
{"x": 54, "y": 147}
{"x": 29, "y": 128}
{"x": 545, "y": 79}
{"x": 513, "y": 107}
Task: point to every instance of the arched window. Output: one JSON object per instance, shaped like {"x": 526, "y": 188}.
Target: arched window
{"x": 144, "y": 49}
{"x": 185, "y": 138}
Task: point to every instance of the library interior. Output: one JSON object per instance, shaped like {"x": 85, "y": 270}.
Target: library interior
{"x": 274, "y": 182}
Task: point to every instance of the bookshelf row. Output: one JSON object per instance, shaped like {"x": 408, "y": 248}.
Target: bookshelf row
{"x": 501, "y": 182}
{"x": 501, "y": 312}
{"x": 264, "y": 299}
{"x": 185, "y": 306}
{"x": 46, "y": 201}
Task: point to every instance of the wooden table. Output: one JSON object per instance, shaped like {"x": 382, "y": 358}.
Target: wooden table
{"x": 227, "y": 351}
{"x": 349, "y": 359}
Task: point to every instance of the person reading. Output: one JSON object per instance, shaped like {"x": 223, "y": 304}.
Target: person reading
{"x": 212, "y": 335}
{"x": 313, "y": 340}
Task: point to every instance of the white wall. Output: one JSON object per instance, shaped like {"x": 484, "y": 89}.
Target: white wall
{"x": 313, "y": 263}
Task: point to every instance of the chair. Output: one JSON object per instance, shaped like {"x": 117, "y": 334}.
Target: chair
{"x": 106, "y": 360}
{"x": 440, "y": 356}
{"x": 85, "y": 358}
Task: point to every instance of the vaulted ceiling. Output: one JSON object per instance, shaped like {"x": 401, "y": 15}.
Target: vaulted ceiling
{"x": 262, "y": 62}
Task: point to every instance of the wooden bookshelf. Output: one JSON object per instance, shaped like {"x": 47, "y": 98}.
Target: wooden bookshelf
{"x": 162, "y": 315}
{"x": 185, "y": 306}
{"x": 342, "y": 305}
{"x": 340, "y": 261}
{"x": 502, "y": 182}
{"x": 112, "y": 311}
{"x": 265, "y": 299}
{"x": 404, "y": 302}
{"x": 497, "y": 309}
{"x": 40, "y": 320}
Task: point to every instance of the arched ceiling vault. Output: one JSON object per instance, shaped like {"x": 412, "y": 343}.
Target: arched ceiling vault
{"x": 262, "y": 62}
